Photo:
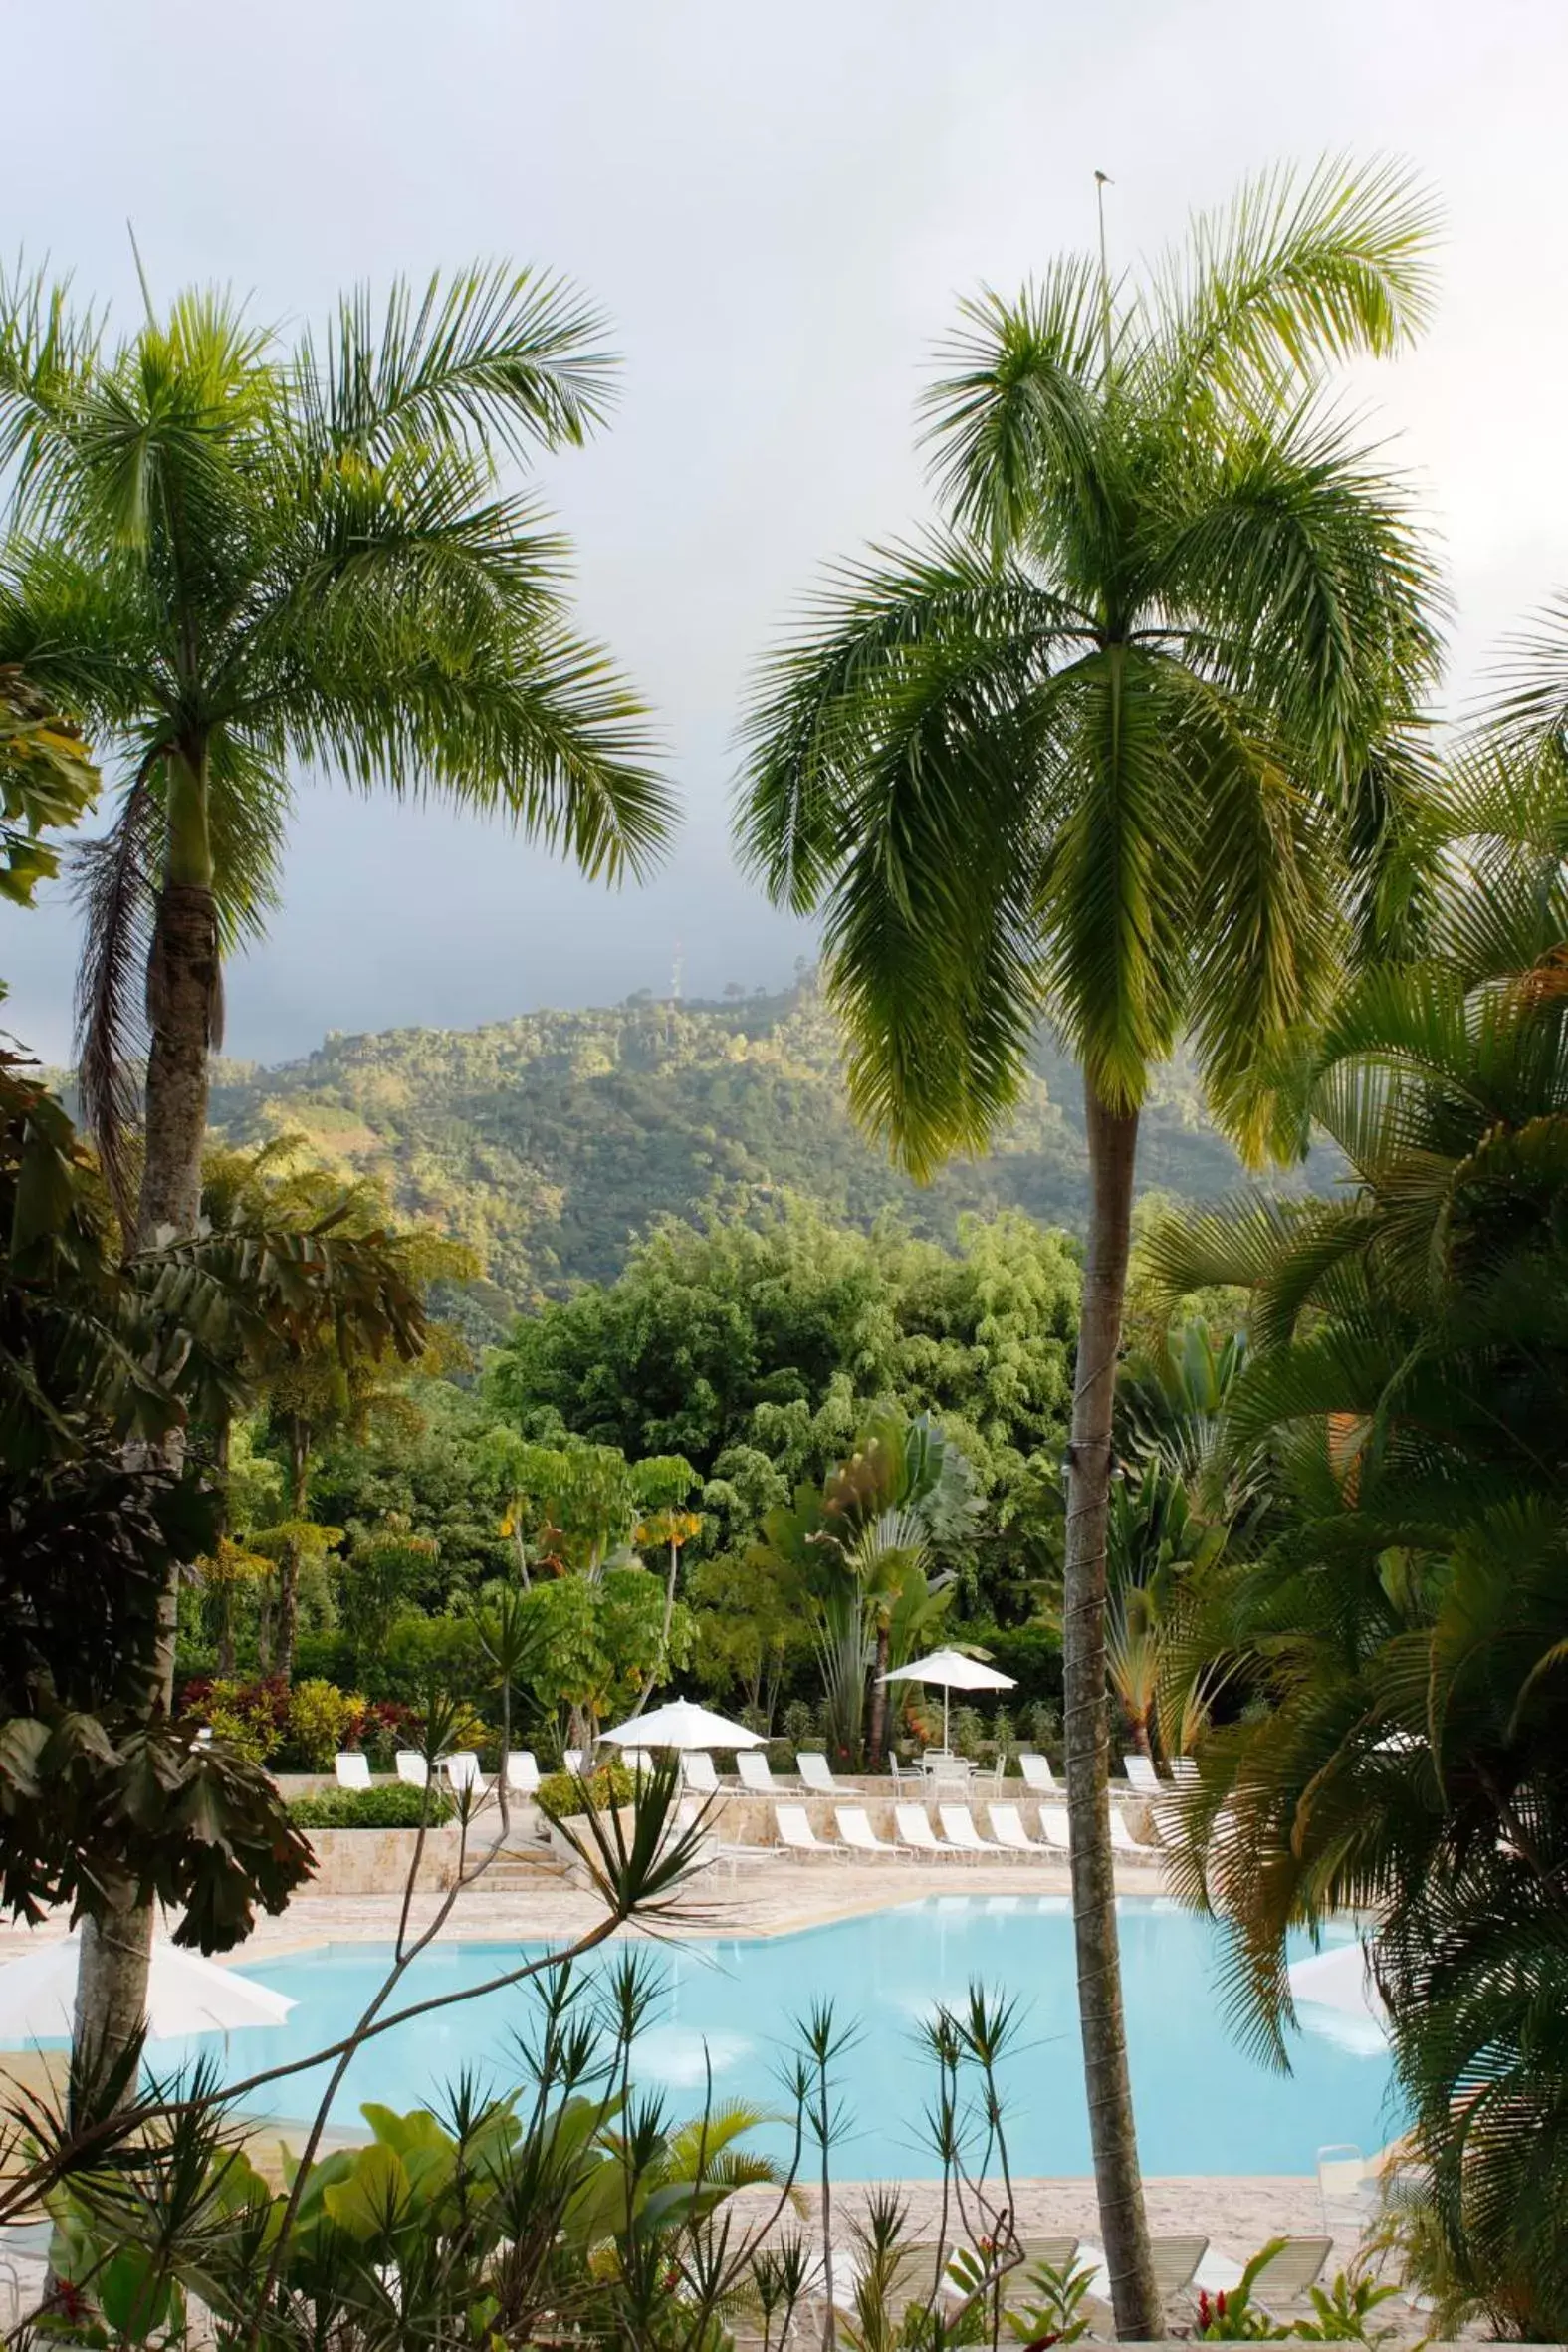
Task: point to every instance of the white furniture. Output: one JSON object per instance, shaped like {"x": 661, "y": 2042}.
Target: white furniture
{"x": 464, "y": 1777}
{"x": 817, "y": 1774}
{"x": 958, "y": 1827}
{"x": 1342, "y": 2178}
{"x": 913, "y": 1824}
{"x": 943, "y": 1769}
{"x": 1124, "y": 1842}
{"x": 522, "y": 1771}
{"x": 1141, "y": 1775}
{"x": 1286, "y": 2281}
{"x": 1037, "y": 1774}
{"x": 698, "y": 1774}
{"x": 1183, "y": 1771}
{"x": 756, "y": 1774}
{"x": 1007, "y": 1827}
{"x": 572, "y": 1760}
{"x": 352, "y": 1769}
{"x": 856, "y": 1833}
{"x": 794, "y": 1824}
{"x": 1055, "y": 1829}
{"x": 638, "y": 1760}
{"x": 413, "y": 1767}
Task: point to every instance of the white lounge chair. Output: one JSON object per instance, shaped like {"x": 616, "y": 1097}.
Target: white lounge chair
{"x": 1037, "y": 1774}
{"x": 1141, "y": 1775}
{"x": 1176, "y": 2263}
{"x": 756, "y": 1774}
{"x": 958, "y": 1827}
{"x": 698, "y": 1774}
{"x": 1342, "y": 2181}
{"x": 1284, "y": 2284}
{"x": 817, "y": 1774}
{"x": 413, "y": 1767}
{"x": 855, "y": 1832}
{"x": 522, "y": 1771}
{"x": 1124, "y": 1842}
{"x": 1182, "y": 1770}
{"x": 352, "y": 1769}
{"x": 1007, "y": 1827}
{"x": 572, "y": 1760}
{"x": 913, "y": 1824}
{"x": 1054, "y": 1828}
{"x": 463, "y": 1772}
{"x": 793, "y": 1826}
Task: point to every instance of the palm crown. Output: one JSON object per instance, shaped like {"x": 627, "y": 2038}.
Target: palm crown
{"x": 1108, "y": 741}
{"x": 232, "y": 561}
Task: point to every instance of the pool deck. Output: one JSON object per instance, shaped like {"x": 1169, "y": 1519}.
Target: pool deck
{"x": 783, "y": 1896}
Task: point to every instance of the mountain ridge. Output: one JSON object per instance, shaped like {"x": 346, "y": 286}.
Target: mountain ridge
{"x": 551, "y": 1139}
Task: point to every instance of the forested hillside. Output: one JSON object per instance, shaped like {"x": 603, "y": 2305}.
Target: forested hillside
{"x": 548, "y": 1140}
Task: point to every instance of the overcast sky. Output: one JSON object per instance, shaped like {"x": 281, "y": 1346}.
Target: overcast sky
{"x": 778, "y": 209}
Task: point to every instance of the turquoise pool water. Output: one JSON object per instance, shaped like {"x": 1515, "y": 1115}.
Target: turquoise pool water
{"x": 1203, "y": 2106}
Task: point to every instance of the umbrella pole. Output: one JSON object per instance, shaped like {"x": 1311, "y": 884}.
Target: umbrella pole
{"x": 947, "y": 1701}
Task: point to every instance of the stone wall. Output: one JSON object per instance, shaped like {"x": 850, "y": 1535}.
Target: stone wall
{"x": 377, "y": 1861}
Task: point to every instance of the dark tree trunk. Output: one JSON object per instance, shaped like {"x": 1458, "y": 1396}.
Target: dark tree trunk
{"x": 289, "y": 1566}
{"x": 184, "y": 981}
{"x": 1113, "y": 1147}
{"x": 876, "y": 1742}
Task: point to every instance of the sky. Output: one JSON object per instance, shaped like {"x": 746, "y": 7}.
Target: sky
{"x": 780, "y": 209}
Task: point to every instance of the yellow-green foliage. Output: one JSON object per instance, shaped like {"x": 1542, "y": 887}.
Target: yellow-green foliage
{"x": 320, "y": 1718}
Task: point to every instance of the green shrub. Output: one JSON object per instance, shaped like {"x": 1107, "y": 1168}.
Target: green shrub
{"x": 610, "y": 1783}
{"x": 320, "y": 1718}
{"x": 397, "y": 1807}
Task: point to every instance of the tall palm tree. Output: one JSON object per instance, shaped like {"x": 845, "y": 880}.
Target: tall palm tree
{"x": 1116, "y": 743}
{"x": 234, "y": 560}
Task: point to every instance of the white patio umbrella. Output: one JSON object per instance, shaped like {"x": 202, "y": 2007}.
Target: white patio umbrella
{"x": 953, "y": 1672}
{"x": 185, "y": 1995}
{"x": 682, "y": 1724}
{"x": 1339, "y": 1979}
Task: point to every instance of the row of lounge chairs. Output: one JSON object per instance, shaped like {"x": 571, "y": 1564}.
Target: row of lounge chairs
{"x": 1181, "y": 2267}
{"x": 955, "y": 1833}
{"x": 697, "y": 1772}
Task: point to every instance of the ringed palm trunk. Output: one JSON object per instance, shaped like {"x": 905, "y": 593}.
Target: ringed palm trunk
{"x": 1113, "y": 1147}
{"x": 183, "y": 995}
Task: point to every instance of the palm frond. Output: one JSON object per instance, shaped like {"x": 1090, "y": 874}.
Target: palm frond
{"x": 1019, "y": 424}
{"x": 117, "y": 891}
{"x": 493, "y": 357}
{"x": 1299, "y": 271}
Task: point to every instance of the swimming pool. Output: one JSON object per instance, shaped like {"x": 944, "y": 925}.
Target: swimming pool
{"x": 1203, "y": 2106}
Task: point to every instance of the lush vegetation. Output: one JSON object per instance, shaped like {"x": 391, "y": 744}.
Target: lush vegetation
{"x": 1131, "y": 742}
{"x": 548, "y": 1142}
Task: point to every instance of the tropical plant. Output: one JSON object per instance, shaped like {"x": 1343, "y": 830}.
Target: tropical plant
{"x": 103, "y": 1356}
{"x": 1119, "y": 742}
{"x": 1409, "y": 1371}
{"x": 861, "y": 1547}
{"x": 46, "y": 782}
{"x": 229, "y": 561}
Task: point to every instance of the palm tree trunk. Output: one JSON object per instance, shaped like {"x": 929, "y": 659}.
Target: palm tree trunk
{"x": 1113, "y": 1148}
{"x": 289, "y": 1566}
{"x": 183, "y": 995}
